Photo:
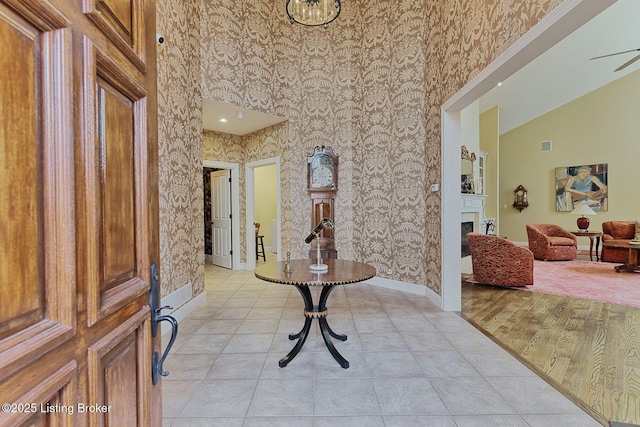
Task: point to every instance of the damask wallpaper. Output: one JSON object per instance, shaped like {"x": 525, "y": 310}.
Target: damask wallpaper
{"x": 180, "y": 146}
{"x": 371, "y": 86}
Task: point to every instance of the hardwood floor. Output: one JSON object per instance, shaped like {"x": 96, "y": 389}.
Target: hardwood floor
{"x": 588, "y": 350}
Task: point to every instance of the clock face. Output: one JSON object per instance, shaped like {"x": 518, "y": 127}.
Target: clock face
{"x": 322, "y": 176}
{"x": 322, "y": 171}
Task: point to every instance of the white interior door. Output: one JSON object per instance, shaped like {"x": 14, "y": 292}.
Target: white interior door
{"x": 221, "y": 218}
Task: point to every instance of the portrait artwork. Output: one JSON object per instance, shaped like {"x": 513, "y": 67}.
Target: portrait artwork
{"x": 583, "y": 184}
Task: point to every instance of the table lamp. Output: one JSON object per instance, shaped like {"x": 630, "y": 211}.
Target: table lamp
{"x": 324, "y": 223}
{"x": 583, "y": 209}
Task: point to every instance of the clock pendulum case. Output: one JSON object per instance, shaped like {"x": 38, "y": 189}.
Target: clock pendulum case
{"x": 322, "y": 183}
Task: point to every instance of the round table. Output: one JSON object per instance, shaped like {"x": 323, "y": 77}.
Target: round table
{"x": 634, "y": 260}
{"x": 340, "y": 272}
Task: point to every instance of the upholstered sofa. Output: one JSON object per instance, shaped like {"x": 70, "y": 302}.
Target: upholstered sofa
{"x": 497, "y": 261}
{"x": 616, "y": 232}
{"x": 550, "y": 242}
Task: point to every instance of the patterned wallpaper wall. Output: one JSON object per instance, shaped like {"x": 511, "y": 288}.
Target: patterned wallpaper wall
{"x": 180, "y": 146}
{"x": 393, "y": 149}
{"x": 371, "y": 87}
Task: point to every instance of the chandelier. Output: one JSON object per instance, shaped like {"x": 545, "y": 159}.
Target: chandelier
{"x": 313, "y": 12}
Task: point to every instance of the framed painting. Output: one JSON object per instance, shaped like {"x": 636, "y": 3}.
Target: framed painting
{"x": 585, "y": 184}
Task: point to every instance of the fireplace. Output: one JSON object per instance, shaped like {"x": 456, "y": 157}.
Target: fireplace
{"x": 471, "y": 217}
{"x": 466, "y": 227}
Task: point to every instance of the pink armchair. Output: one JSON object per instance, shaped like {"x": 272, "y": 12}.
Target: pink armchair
{"x": 497, "y": 261}
{"x": 550, "y": 242}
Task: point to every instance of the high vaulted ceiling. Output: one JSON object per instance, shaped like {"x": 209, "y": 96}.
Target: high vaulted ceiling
{"x": 566, "y": 72}
{"x": 560, "y": 75}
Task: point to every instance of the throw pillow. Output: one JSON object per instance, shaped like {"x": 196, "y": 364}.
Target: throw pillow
{"x": 637, "y": 235}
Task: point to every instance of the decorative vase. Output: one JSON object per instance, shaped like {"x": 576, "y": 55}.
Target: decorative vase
{"x": 583, "y": 223}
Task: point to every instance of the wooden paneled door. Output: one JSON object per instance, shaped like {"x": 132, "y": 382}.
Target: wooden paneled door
{"x": 78, "y": 212}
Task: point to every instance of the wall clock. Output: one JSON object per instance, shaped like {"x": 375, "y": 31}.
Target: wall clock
{"x": 322, "y": 183}
{"x": 520, "y": 200}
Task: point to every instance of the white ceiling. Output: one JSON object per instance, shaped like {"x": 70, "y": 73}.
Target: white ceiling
{"x": 565, "y": 72}
{"x": 560, "y": 75}
{"x": 252, "y": 121}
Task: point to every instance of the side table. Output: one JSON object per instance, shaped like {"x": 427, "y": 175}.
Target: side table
{"x": 340, "y": 272}
{"x": 593, "y": 236}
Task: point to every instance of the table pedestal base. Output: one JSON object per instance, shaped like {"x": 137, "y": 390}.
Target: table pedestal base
{"x": 627, "y": 267}
{"x": 319, "y": 312}
{"x": 632, "y": 265}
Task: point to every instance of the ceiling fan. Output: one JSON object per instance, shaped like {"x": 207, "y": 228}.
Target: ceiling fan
{"x": 626, "y": 64}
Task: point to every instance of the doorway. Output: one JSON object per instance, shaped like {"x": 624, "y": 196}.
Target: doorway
{"x": 233, "y": 221}
{"x": 263, "y": 180}
{"x": 559, "y": 23}
{"x": 218, "y": 222}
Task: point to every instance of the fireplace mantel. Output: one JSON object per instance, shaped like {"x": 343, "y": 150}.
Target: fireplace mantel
{"x": 472, "y": 209}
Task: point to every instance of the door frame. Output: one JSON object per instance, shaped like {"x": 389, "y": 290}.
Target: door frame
{"x": 235, "y": 207}
{"x": 250, "y": 208}
{"x": 559, "y": 23}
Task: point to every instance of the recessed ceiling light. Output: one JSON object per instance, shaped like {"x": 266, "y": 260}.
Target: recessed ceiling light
{"x": 240, "y": 115}
{"x": 223, "y": 120}
{"x": 499, "y": 83}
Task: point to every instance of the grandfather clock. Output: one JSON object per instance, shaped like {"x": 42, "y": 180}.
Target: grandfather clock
{"x": 322, "y": 182}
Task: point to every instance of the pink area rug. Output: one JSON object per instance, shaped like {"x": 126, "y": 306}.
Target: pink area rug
{"x": 584, "y": 279}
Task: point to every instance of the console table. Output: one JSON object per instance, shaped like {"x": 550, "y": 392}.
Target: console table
{"x": 341, "y": 272}
{"x": 632, "y": 265}
{"x": 593, "y": 236}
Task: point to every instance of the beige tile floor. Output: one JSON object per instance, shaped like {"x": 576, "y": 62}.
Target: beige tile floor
{"x": 411, "y": 364}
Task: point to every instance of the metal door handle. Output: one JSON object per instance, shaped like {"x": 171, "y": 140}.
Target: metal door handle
{"x": 156, "y": 318}
{"x": 157, "y": 363}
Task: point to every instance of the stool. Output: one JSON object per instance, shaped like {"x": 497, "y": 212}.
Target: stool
{"x": 260, "y": 248}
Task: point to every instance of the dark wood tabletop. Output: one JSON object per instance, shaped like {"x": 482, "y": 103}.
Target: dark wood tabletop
{"x": 341, "y": 272}
{"x": 586, "y": 233}
{"x": 619, "y": 244}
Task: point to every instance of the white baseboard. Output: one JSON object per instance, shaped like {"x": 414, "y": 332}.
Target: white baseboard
{"x": 411, "y": 288}
{"x": 183, "y": 311}
{"x": 240, "y": 266}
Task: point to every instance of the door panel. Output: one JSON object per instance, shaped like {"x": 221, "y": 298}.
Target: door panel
{"x": 78, "y": 213}
{"x": 116, "y": 120}
{"x": 221, "y": 218}
{"x": 21, "y": 203}
{"x": 115, "y": 168}
{"x": 50, "y": 404}
{"x": 36, "y": 186}
{"x": 118, "y": 366}
{"x": 120, "y": 21}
